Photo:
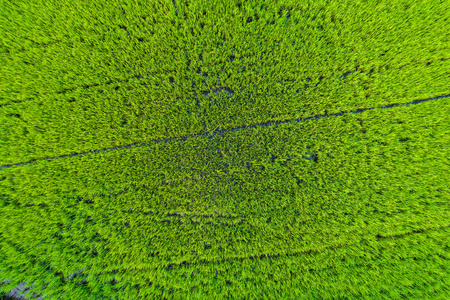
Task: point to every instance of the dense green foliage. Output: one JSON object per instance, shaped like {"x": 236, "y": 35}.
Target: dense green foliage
{"x": 355, "y": 205}
{"x": 120, "y": 73}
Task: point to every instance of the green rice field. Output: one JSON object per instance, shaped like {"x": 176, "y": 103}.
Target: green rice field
{"x": 225, "y": 149}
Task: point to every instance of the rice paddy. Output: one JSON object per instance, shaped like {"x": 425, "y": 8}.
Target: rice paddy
{"x": 225, "y": 149}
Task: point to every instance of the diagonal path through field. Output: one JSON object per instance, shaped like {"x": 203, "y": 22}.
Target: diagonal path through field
{"x": 219, "y": 131}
